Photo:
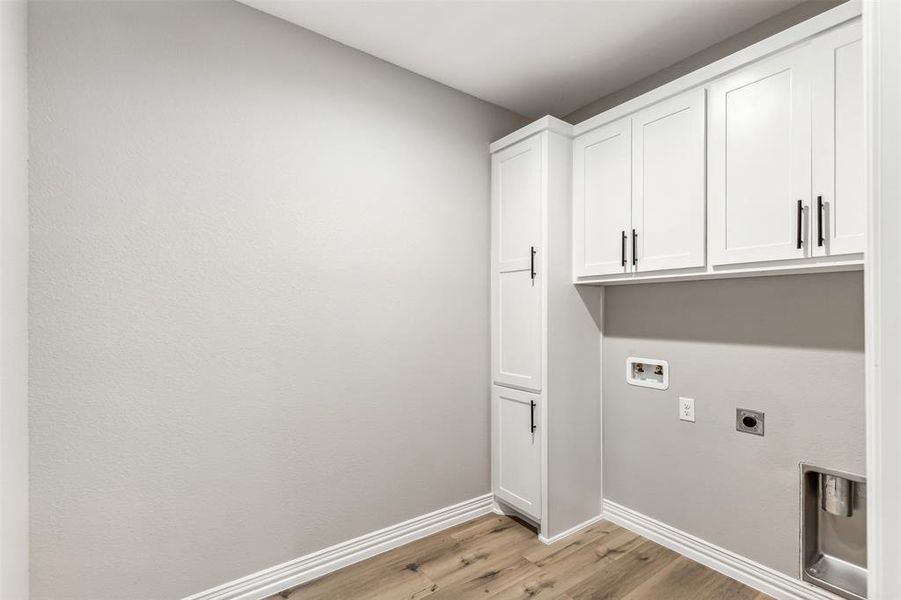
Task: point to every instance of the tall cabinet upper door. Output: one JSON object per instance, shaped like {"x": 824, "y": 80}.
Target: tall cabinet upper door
{"x": 839, "y": 215}
{"x": 668, "y": 183}
{"x": 602, "y": 189}
{"x": 759, "y": 161}
{"x": 516, "y": 198}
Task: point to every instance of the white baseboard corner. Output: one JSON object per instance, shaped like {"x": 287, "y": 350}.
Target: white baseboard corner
{"x": 306, "y": 568}
{"x": 571, "y": 530}
{"x": 496, "y": 507}
{"x": 764, "y": 579}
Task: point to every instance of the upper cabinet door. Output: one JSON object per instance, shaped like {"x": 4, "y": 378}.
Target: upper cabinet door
{"x": 668, "y": 175}
{"x": 759, "y": 162}
{"x": 839, "y": 213}
{"x": 516, "y": 198}
{"x": 516, "y": 193}
{"x": 602, "y": 189}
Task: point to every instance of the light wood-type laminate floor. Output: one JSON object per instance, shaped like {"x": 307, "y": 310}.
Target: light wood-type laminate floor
{"x": 501, "y": 558}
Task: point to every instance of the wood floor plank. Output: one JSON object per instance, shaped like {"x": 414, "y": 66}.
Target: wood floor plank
{"x": 479, "y": 524}
{"x": 489, "y": 583}
{"x": 499, "y": 558}
{"x": 477, "y": 559}
{"x": 363, "y": 583}
{"x": 557, "y": 576}
{"x": 411, "y": 587}
{"x": 685, "y": 579}
{"x": 621, "y": 576}
{"x": 559, "y": 550}
{"x": 398, "y": 567}
{"x": 498, "y": 526}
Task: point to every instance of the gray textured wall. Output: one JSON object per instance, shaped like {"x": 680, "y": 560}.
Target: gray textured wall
{"x": 791, "y": 346}
{"x": 13, "y": 301}
{"x": 259, "y": 295}
{"x": 746, "y": 38}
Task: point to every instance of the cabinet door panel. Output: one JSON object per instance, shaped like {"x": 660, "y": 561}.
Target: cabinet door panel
{"x": 518, "y": 330}
{"x": 669, "y": 171}
{"x": 516, "y": 293}
{"x": 839, "y": 149}
{"x": 602, "y": 190}
{"x": 759, "y": 161}
{"x": 516, "y": 468}
{"x": 516, "y": 183}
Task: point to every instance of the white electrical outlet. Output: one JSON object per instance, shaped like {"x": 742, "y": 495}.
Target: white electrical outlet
{"x": 687, "y": 409}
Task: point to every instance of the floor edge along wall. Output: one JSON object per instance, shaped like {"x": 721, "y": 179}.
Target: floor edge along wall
{"x": 311, "y": 566}
{"x": 740, "y": 568}
{"x": 275, "y": 579}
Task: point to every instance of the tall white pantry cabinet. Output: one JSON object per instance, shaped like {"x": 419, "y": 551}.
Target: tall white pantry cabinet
{"x": 545, "y": 338}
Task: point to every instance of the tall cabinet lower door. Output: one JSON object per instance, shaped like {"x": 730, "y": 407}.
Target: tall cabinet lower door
{"x": 516, "y": 255}
{"x": 516, "y": 447}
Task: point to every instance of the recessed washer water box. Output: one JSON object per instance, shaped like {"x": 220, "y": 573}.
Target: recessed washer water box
{"x": 647, "y": 372}
{"x": 834, "y": 531}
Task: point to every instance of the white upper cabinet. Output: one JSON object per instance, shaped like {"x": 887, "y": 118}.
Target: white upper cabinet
{"x": 516, "y": 303}
{"x": 602, "y": 192}
{"x": 759, "y": 161}
{"x": 668, "y": 181}
{"x": 755, "y": 163}
{"x": 638, "y": 191}
{"x": 839, "y": 219}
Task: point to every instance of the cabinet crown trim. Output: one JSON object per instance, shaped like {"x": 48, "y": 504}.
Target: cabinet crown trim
{"x": 547, "y": 123}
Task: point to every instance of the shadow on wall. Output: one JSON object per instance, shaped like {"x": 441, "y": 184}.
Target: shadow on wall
{"x": 805, "y": 311}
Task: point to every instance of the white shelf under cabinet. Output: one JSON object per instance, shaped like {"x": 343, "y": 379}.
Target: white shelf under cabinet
{"x": 852, "y": 262}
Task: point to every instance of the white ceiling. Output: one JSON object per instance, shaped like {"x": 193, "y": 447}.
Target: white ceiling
{"x": 533, "y": 57}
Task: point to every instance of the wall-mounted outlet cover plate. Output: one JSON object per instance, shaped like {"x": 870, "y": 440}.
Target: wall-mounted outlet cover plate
{"x": 687, "y": 409}
{"x": 647, "y": 372}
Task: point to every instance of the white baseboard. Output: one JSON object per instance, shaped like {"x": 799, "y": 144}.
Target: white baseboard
{"x": 306, "y": 568}
{"x": 571, "y": 530}
{"x": 767, "y": 580}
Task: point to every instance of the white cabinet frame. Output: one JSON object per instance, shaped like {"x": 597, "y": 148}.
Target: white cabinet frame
{"x": 882, "y": 60}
